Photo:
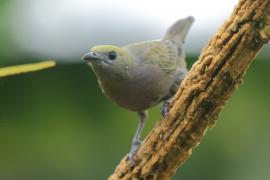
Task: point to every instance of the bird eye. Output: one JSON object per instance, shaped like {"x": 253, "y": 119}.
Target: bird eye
{"x": 112, "y": 55}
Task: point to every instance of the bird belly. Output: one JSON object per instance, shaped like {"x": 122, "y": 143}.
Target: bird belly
{"x": 137, "y": 95}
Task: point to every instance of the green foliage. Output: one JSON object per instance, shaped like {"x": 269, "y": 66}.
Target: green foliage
{"x": 56, "y": 124}
{"x": 2, "y": 2}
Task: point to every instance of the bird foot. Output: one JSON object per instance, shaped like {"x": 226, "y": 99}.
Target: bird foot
{"x": 134, "y": 148}
{"x": 165, "y": 108}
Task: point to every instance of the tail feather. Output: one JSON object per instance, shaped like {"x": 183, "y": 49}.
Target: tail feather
{"x": 178, "y": 31}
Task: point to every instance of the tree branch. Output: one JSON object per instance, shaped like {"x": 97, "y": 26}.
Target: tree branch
{"x": 208, "y": 85}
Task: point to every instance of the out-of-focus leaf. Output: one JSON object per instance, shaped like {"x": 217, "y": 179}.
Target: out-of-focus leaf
{"x": 25, "y": 68}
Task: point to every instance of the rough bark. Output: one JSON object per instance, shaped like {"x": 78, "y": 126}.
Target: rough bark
{"x": 197, "y": 104}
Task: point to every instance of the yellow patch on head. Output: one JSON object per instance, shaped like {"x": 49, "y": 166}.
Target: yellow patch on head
{"x": 107, "y": 49}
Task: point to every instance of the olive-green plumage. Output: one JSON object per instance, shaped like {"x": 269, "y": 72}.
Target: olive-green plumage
{"x": 139, "y": 76}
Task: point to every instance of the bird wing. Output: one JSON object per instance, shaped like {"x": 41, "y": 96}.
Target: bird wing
{"x": 163, "y": 54}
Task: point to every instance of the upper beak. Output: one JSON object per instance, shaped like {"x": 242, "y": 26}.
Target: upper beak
{"x": 91, "y": 57}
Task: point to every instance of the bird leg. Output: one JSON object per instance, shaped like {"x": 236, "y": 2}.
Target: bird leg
{"x": 166, "y": 107}
{"x": 167, "y": 103}
{"x": 136, "y": 142}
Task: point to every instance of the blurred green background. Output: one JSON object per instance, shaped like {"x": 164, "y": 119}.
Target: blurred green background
{"x": 56, "y": 124}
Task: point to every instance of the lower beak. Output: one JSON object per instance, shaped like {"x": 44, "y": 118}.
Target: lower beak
{"x": 90, "y": 57}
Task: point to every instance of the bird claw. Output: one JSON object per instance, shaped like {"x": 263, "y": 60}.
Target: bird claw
{"x": 165, "y": 108}
{"x": 134, "y": 148}
{"x": 131, "y": 158}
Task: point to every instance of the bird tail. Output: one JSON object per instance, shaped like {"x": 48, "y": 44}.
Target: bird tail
{"x": 178, "y": 31}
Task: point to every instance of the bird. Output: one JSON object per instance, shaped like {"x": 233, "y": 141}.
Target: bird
{"x": 141, "y": 75}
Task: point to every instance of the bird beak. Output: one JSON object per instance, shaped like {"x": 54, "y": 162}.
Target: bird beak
{"x": 91, "y": 57}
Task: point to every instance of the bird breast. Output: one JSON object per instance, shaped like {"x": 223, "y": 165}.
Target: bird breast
{"x": 140, "y": 89}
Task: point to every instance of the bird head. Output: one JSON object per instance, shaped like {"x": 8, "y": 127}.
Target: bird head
{"x": 107, "y": 55}
{"x": 109, "y": 61}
